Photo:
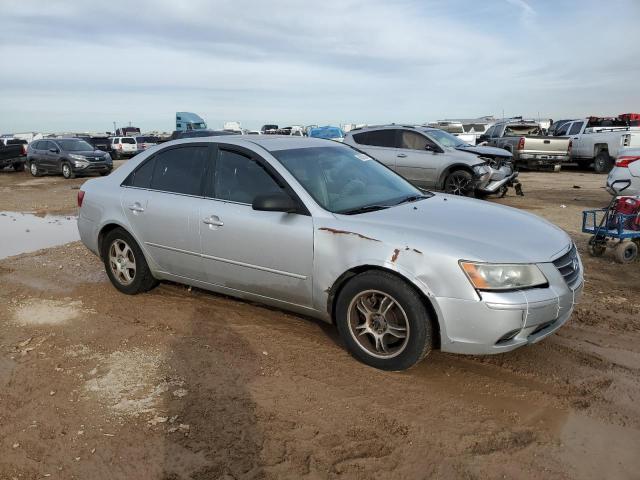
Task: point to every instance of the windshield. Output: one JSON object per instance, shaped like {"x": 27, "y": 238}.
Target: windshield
{"x": 341, "y": 179}
{"x": 518, "y": 130}
{"x": 446, "y": 139}
{"x": 74, "y": 145}
{"x": 326, "y": 132}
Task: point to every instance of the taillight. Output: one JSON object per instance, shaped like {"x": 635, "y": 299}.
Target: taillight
{"x": 80, "y": 197}
{"x": 119, "y": 146}
{"x": 24, "y": 149}
{"x": 625, "y": 161}
{"x": 521, "y": 143}
{"x": 570, "y": 147}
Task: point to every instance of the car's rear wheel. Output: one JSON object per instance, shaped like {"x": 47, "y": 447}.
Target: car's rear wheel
{"x": 603, "y": 162}
{"x": 67, "y": 171}
{"x": 626, "y": 252}
{"x": 459, "y": 182}
{"x": 18, "y": 166}
{"x": 34, "y": 170}
{"x": 383, "y": 321}
{"x": 125, "y": 263}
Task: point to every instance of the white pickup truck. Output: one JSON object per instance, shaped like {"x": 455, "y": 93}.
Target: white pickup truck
{"x": 596, "y": 144}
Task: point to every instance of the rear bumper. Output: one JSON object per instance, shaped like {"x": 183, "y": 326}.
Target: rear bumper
{"x": 5, "y": 162}
{"x": 623, "y": 174}
{"x": 543, "y": 158}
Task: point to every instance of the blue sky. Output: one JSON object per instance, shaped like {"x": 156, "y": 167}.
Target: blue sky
{"x": 81, "y": 65}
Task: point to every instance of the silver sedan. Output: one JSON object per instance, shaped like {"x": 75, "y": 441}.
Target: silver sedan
{"x": 319, "y": 228}
{"x": 626, "y": 173}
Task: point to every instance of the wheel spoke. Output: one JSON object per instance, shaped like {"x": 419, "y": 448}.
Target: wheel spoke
{"x": 385, "y": 305}
{"x": 398, "y": 332}
{"x": 380, "y": 345}
{"x": 363, "y": 307}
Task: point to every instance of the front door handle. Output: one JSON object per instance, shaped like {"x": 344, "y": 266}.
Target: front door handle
{"x": 136, "y": 208}
{"x": 402, "y": 155}
{"x": 213, "y": 220}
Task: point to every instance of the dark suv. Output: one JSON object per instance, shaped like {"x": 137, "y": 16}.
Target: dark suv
{"x": 68, "y": 156}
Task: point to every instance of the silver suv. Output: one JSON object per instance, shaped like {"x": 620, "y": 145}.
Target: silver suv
{"x": 420, "y": 158}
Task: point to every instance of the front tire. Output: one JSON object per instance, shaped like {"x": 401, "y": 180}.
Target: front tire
{"x": 383, "y": 321}
{"x": 459, "y": 182}
{"x": 125, "y": 263}
{"x": 67, "y": 171}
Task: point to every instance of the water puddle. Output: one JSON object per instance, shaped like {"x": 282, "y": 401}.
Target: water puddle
{"x": 26, "y": 232}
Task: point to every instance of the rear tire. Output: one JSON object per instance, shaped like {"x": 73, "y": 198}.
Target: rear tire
{"x": 125, "y": 263}
{"x": 18, "y": 166}
{"x": 603, "y": 162}
{"x": 459, "y": 182}
{"x": 383, "y": 321}
{"x": 34, "y": 170}
{"x": 626, "y": 252}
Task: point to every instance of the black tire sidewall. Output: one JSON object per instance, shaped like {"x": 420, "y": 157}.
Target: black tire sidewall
{"x": 420, "y": 322}
{"x": 142, "y": 269}
{"x": 602, "y": 163}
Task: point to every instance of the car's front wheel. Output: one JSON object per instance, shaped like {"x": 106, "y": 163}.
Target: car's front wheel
{"x": 67, "y": 171}
{"x": 125, "y": 263}
{"x": 383, "y": 321}
{"x": 459, "y": 182}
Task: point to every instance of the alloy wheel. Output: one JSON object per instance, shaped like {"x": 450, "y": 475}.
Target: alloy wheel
{"x": 459, "y": 184}
{"x": 122, "y": 262}
{"x": 378, "y": 324}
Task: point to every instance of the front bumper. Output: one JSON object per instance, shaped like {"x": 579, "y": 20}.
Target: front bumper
{"x": 496, "y": 184}
{"x": 500, "y": 322}
{"x": 93, "y": 167}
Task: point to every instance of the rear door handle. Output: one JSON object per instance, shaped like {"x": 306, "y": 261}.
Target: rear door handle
{"x": 136, "y": 208}
{"x": 402, "y": 155}
{"x": 213, "y": 220}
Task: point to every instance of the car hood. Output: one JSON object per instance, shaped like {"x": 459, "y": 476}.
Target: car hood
{"x": 486, "y": 151}
{"x": 463, "y": 228}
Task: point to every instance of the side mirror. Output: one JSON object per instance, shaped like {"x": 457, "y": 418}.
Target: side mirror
{"x": 432, "y": 149}
{"x": 275, "y": 202}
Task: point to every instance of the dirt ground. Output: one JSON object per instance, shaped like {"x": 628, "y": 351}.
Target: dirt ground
{"x": 180, "y": 383}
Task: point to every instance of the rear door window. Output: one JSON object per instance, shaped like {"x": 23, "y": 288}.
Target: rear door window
{"x": 377, "y": 138}
{"x": 180, "y": 170}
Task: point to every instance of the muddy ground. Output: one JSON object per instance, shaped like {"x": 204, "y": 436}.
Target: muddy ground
{"x": 179, "y": 383}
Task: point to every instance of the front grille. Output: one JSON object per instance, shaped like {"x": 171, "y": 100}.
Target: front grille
{"x": 569, "y": 266}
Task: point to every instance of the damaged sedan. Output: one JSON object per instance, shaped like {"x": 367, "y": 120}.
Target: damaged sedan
{"x": 319, "y": 228}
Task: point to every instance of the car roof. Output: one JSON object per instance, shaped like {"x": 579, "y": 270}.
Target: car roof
{"x": 271, "y": 143}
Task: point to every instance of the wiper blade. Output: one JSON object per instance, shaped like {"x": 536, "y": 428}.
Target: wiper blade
{"x": 364, "y": 209}
{"x": 413, "y": 198}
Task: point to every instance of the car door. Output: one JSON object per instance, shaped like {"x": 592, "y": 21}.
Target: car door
{"x": 48, "y": 155}
{"x": 267, "y": 254}
{"x": 578, "y": 141}
{"x": 162, "y": 202}
{"x": 380, "y": 144}
{"x": 419, "y": 159}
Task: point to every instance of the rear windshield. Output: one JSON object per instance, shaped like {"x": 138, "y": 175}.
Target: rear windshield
{"x": 128, "y": 140}
{"x": 74, "y": 145}
{"x": 146, "y": 139}
{"x": 16, "y": 141}
{"x": 517, "y": 130}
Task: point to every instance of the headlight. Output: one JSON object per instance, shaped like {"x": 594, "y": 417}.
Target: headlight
{"x": 496, "y": 276}
{"x": 482, "y": 170}
{"x": 77, "y": 157}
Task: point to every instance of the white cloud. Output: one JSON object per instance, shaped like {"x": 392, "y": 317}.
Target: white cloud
{"x": 295, "y": 62}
